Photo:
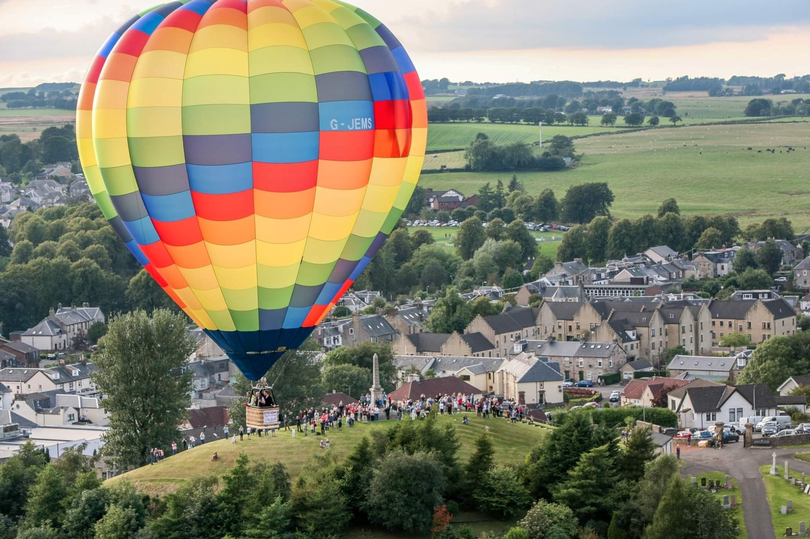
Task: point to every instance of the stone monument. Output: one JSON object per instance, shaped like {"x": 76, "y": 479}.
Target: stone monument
{"x": 376, "y": 389}
{"x": 774, "y": 471}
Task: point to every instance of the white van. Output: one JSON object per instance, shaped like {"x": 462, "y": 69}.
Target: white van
{"x": 754, "y": 419}
{"x": 782, "y": 421}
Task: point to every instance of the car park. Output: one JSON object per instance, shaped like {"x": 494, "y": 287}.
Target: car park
{"x": 782, "y": 421}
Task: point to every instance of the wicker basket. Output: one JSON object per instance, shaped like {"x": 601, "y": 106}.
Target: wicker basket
{"x": 262, "y": 418}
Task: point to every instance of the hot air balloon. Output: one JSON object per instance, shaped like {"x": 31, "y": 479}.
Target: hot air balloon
{"x": 253, "y": 155}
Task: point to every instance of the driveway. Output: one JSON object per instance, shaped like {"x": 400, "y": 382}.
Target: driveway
{"x": 743, "y": 465}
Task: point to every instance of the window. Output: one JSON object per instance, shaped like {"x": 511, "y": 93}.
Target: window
{"x": 71, "y": 417}
{"x": 721, "y": 323}
{"x": 577, "y": 325}
{"x": 653, "y": 345}
{"x": 599, "y": 363}
{"x": 701, "y": 326}
{"x": 652, "y": 334}
{"x": 712, "y": 323}
{"x": 581, "y": 362}
{"x": 683, "y": 330}
{"x": 711, "y": 417}
{"x": 570, "y": 327}
{"x": 567, "y": 361}
{"x": 465, "y": 377}
{"x": 559, "y": 324}
{"x": 672, "y": 404}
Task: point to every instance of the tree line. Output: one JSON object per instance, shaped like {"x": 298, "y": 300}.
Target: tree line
{"x": 483, "y": 155}
{"x": 69, "y": 255}
{"x": 22, "y": 161}
{"x": 766, "y": 107}
{"x": 53, "y": 99}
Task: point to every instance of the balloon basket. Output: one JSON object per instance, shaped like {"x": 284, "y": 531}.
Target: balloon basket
{"x": 262, "y": 418}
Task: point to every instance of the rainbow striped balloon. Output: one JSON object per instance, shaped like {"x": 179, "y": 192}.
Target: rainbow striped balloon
{"x": 253, "y": 155}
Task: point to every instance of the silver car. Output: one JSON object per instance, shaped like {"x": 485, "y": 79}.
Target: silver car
{"x": 770, "y": 428}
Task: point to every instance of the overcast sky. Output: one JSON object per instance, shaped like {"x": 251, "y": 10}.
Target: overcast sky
{"x": 480, "y": 40}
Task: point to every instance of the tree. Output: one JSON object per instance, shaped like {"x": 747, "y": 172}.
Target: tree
{"x": 546, "y": 208}
{"x": 674, "y": 119}
{"x": 684, "y": 503}
{"x": 421, "y": 237}
{"x": 22, "y": 252}
{"x": 711, "y": 238}
{"x": 17, "y": 475}
{"x": 399, "y": 245}
{"x": 451, "y": 313}
{"x": 46, "y": 499}
{"x": 736, "y": 339}
{"x": 754, "y": 279}
{"x": 349, "y": 379}
{"x": 516, "y": 185}
{"x": 775, "y": 360}
{"x": 544, "y": 517}
{"x": 670, "y": 205}
{"x": 745, "y": 259}
{"x": 609, "y": 119}
{"x": 669, "y": 230}
{"x": 588, "y": 488}
{"x": 572, "y": 245}
{"x": 143, "y": 416}
{"x": 87, "y": 509}
{"x": 501, "y": 493}
{"x": 404, "y": 490}
{"x": 417, "y": 201}
{"x": 512, "y": 279}
{"x": 143, "y": 293}
{"x": 542, "y": 265}
{"x": 517, "y": 232}
{"x": 471, "y": 236}
{"x": 634, "y": 119}
{"x": 118, "y": 523}
{"x": 596, "y": 239}
{"x": 653, "y": 121}
{"x": 496, "y": 229}
{"x": 5, "y": 246}
{"x": 620, "y": 240}
{"x": 758, "y": 107}
{"x": 585, "y": 201}
{"x": 640, "y": 450}
{"x": 481, "y": 461}
{"x": 769, "y": 257}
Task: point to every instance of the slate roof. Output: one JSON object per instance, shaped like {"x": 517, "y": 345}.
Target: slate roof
{"x": 708, "y": 398}
{"x": 779, "y": 308}
{"x": 541, "y": 372}
{"x": 564, "y": 310}
{"x": 764, "y": 395}
{"x": 20, "y": 346}
{"x": 639, "y": 364}
{"x": 431, "y": 387}
{"x": 697, "y": 382}
{"x": 621, "y": 327}
{"x": 575, "y": 349}
{"x": 4, "y": 389}
{"x": 663, "y": 251}
{"x": 428, "y": 342}
{"x": 7, "y": 417}
{"x": 734, "y": 310}
{"x": 46, "y": 328}
{"x": 803, "y": 265}
{"x": 411, "y": 316}
{"x": 214, "y": 416}
{"x": 17, "y": 374}
{"x": 452, "y": 364}
{"x": 790, "y": 400}
{"x": 803, "y": 380}
{"x": 477, "y": 342}
{"x": 702, "y": 363}
{"x": 377, "y": 326}
{"x": 641, "y": 319}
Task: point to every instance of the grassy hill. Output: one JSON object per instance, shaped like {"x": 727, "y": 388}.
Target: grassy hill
{"x": 453, "y": 136}
{"x": 512, "y": 443}
{"x": 707, "y": 168}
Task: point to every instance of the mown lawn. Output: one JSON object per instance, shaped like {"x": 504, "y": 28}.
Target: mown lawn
{"x": 512, "y": 442}
{"x": 779, "y": 492}
{"x": 739, "y": 510}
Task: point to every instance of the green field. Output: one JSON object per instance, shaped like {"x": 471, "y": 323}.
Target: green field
{"x": 708, "y": 169}
{"x": 455, "y": 136}
{"x": 697, "y": 107}
{"x": 512, "y": 442}
{"x": 779, "y": 492}
{"x": 446, "y": 236}
{"x": 27, "y": 113}
{"x": 738, "y": 511}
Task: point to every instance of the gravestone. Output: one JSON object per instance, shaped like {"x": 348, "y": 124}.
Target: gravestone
{"x": 787, "y": 471}
{"x": 802, "y": 528}
{"x": 793, "y": 481}
{"x": 729, "y": 486}
{"x": 694, "y": 482}
{"x": 790, "y": 506}
{"x": 788, "y": 532}
{"x": 703, "y": 482}
{"x": 774, "y": 471}
{"x": 733, "y": 500}
{"x": 726, "y": 502}
{"x": 711, "y": 484}
{"x": 807, "y": 489}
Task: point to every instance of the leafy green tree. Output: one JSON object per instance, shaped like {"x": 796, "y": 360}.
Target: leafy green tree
{"x": 517, "y": 232}
{"x": 585, "y": 201}
{"x": 769, "y": 257}
{"x": 481, "y": 461}
{"x": 669, "y": 230}
{"x": 596, "y": 239}
{"x": 349, "y": 379}
{"x": 482, "y": 306}
{"x": 670, "y": 205}
{"x": 421, "y": 237}
{"x": 518, "y": 532}
{"x": 675, "y": 119}
{"x": 542, "y": 265}
{"x": 361, "y": 355}
{"x": 22, "y": 252}
{"x": 496, "y": 229}
{"x": 745, "y": 259}
{"x": 516, "y": 185}
{"x": 640, "y": 450}
{"x": 683, "y": 503}
{"x": 359, "y": 466}
{"x": 471, "y": 236}
{"x": 546, "y": 207}
{"x": 96, "y": 331}
{"x": 417, "y": 201}
{"x": 544, "y": 517}
{"x": 711, "y": 238}
{"x": 143, "y": 416}
{"x": 17, "y": 476}
{"x": 45, "y": 506}
{"x": 39, "y": 532}
{"x": 736, "y": 339}
{"x": 774, "y": 361}
{"x": 501, "y": 493}
{"x": 5, "y": 246}
{"x": 620, "y": 240}
{"x": 645, "y": 233}
{"x": 451, "y": 313}
{"x": 634, "y": 119}
{"x": 118, "y": 523}
{"x": 572, "y": 245}
{"x": 512, "y": 279}
{"x": 433, "y": 275}
{"x": 404, "y": 490}
{"x": 754, "y": 279}
{"x": 609, "y": 119}
{"x": 87, "y": 509}
{"x": 588, "y": 488}
{"x": 399, "y": 244}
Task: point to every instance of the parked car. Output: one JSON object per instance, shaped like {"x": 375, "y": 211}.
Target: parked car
{"x": 803, "y": 428}
{"x": 615, "y": 396}
{"x": 585, "y": 383}
{"x": 591, "y": 405}
{"x": 786, "y": 432}
{"x": 669, "y": 431}
{"x": 568, "y": 383}
{"x": 684, "y": 434}
{"x": 702, "y": 435}
{"x": 730, "y": 436}
{"x": 769, "y": 429}
{"x": 783, "y": 421}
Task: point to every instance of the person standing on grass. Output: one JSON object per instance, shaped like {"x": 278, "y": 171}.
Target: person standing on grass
{"x": 185, "y": 444}
{"x": 202, "y": 438}
{"x": 174, "y": 448}
{"x": 241, "y": 434}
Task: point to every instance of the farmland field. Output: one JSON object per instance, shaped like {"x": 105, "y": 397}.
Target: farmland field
{"x": 455, "y": 136}
{"x": 708, "y": 169}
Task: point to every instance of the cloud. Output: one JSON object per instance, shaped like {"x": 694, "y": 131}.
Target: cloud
{"x": 585, "y": 24}
{"x": 51, "y": 44}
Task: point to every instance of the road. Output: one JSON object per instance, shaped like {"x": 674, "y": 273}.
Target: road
{"x": 743, "y": 465}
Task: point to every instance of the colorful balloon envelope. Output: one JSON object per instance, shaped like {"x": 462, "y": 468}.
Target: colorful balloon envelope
{"x": 253, "y": 155}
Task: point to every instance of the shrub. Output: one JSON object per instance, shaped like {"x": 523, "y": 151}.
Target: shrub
{"x": 545, "y": 516}
{"x": 501, "y": 492}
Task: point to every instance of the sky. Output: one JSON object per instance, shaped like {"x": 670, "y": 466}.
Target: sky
{"x": 480, "y": 40}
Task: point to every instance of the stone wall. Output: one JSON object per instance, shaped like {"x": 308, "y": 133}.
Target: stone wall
{"x": 784, "y": 441}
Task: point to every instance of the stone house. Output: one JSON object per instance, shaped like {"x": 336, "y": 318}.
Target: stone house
{"x": 567, "y": 321}
{"x": 801, "y": 274}
{"x": 531, "y": 381}
{"x": 581, "y": 360}
{"x": 644, "y": 392}
{"x": 373, "y": 328}
{"x": 503, "y": 330}
{"x": 712, "y": 264}
{"x": 717, "y": 368}
{"x": 629, "y": 369}
{"x": 759, "y": 319}
{"x": 689, "y": 326}
{"x": 790, "y": 253}
{"x": 447, "y": 344}
{"x": 660, "y": 254}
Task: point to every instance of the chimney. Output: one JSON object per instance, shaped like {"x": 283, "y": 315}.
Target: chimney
{"x": 51, "y": 311}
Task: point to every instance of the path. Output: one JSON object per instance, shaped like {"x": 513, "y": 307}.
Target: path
{"x": 743, "y": 465}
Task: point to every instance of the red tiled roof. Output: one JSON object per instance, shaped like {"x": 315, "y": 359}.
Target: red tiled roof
{"x": 211, "y": 417}
{"x": 336, "y": 398}
{"x": 431, "y": 387}
{"x": 635, "y": 389}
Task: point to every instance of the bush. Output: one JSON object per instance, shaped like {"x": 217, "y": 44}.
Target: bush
{"x": 545, "y": 516}
{"x": 516, "y": 533}
{"x": 501, "y": 493}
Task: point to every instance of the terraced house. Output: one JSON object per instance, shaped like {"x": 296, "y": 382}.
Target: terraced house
{"x": 759, "y": 319}
{"x": 689, "y": 326}
{"x": 504, "y": 329}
